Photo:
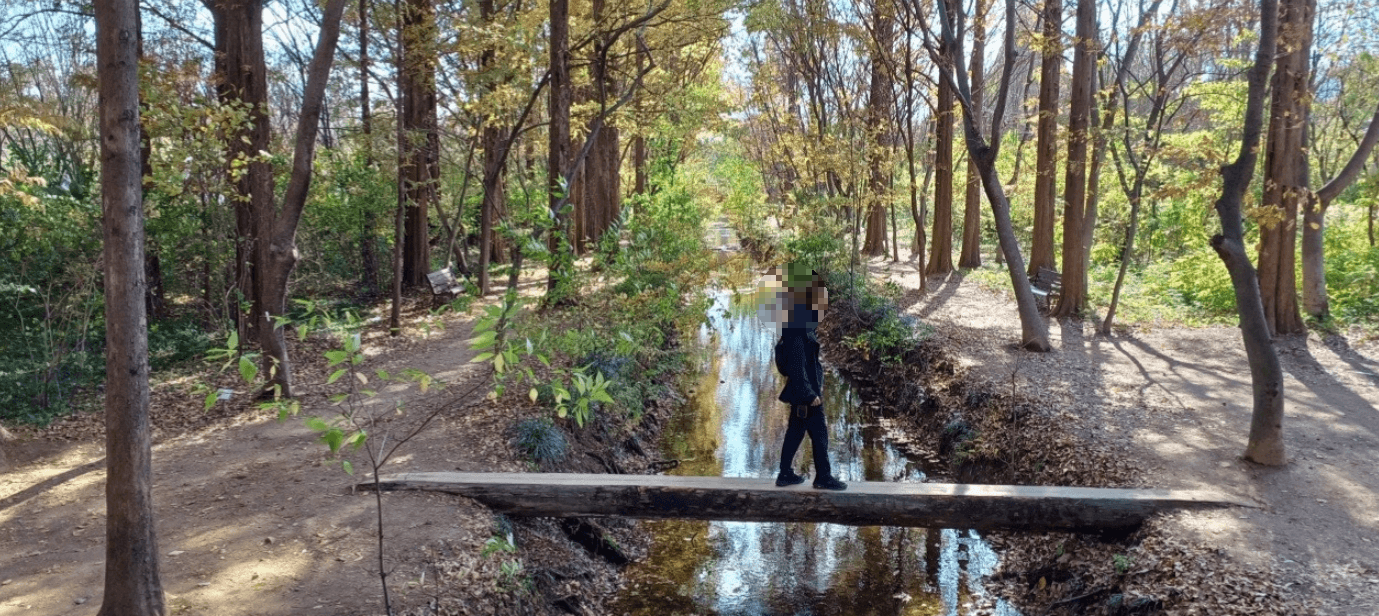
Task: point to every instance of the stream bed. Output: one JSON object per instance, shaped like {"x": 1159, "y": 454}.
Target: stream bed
{"x": 733, "y": 427}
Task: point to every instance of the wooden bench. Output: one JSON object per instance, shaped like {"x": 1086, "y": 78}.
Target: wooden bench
{"x": 443, "y": 282}
{"x": 1047, "y": 285}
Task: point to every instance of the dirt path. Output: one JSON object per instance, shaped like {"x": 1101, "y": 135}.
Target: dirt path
{"x": 252, "y": 517}
{"x": 1178, "y": 401}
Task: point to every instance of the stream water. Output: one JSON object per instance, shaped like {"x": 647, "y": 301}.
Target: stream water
{"x": 733, "y": 427}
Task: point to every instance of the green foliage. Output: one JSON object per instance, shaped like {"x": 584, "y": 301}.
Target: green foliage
{"x": 886, "y": 333}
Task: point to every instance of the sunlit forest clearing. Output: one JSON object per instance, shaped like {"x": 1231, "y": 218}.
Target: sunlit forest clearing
{"x": 255, "y": 255}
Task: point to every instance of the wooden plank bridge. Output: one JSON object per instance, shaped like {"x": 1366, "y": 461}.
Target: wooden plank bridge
{"x": 864, "y": 503}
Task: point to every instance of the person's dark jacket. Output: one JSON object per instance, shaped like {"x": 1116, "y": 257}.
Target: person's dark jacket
{"x": 797, "y": 357}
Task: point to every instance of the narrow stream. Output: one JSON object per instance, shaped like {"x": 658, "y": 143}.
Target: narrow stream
{"x": 733, "y": 427}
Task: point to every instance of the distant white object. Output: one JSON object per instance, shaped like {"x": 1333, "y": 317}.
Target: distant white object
{"x": 224, "y": 393}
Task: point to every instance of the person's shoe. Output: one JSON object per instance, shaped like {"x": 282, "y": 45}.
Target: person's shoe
{"x": 829, "y": 483}
{"x": 791, "y": 479}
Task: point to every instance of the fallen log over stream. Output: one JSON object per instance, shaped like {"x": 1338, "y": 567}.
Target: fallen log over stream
{"x": 864, "y": 503}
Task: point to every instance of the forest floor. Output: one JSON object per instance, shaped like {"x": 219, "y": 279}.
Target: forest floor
{"x": 1176, "y": 402}
{"x": 254, "y": 518}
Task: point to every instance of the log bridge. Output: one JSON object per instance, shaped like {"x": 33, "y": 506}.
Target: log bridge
{"x": 864, "y": 503}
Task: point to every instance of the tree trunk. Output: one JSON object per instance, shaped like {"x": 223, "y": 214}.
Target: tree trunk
{"x": 639, "y": 164}
{"x": 418, "y": 161}
{"x": 941, "y": 252}
{"x": 277, "y": 254}
{"x": 1073, "y": 298}
{"x": 368, "y": 254}
{"x": 598, "y": 190}
{"x": 1266, "y": 425}
{"x": 971, "y": 254}
{"x": 558, "y": 148}
{"x": 490, "y": 247}
{"x": 1285, "y": 164}
{"x": 243, "y": 81}
{"x": 133, "y": 586}
{"x": 1046, "y": 152}
{"x": 878, "y": 116}
{"x": 1314, "y": 224}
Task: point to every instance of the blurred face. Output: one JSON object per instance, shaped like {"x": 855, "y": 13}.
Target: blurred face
{"x": 821, "y": 299}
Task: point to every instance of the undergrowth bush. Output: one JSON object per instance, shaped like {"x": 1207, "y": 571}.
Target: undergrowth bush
{"x": 540, "y": 440}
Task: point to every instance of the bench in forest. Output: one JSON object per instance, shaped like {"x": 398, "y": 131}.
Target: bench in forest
{"x": 443, "y": 282}
{"x": 1047, "y": 285}
{"x": 864, "y": 503}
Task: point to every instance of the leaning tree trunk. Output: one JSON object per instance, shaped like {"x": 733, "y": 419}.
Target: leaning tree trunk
{"x": 1046, "y": 150}
{"x": 133, "y": 586}
{"x": 1073, "y": 298}
{"x": 277, "y": 254}
{"x": 1034, "y": 333}
{"x": 368, "y": 251}
{"x": 1266, "y": 425}
{"x": 1285, "y": 168}
{"x": 971, "y": 254}
{"x": 1314, "y": 225}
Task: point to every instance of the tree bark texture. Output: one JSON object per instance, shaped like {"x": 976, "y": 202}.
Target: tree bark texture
{"x": 133, "y": 586}
{"x": 598, "y": 189}
{"x": 368, "y": 252}
{"x": 971, "y": 254}
{"x": 1073, "y": 298}
{"x": 559, "y": 143}
{"x": 494, "y": 199}
{"x": 419, "y": 161}
{"x": 1266, "y": 376}
{"x": 277, "y": 228}
{"x": 1046, "y": 150}
{"x": 941, "y": 242}
{"x": 1285, "y": 168}
{"x": 242, "y": 80}
{"x": 878, "y": 127}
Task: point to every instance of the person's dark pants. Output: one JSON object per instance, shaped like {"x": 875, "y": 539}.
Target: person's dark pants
{"x": 806, "y": 419}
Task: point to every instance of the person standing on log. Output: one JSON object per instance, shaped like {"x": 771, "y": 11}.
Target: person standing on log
{"x": 797, "y": 357}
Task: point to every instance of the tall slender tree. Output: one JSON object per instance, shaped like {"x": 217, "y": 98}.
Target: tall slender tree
{"x": 558, "y": 146}
{"x": 941, "y": 243}
{"x": 133, "y": 586}
{"x": 1314, "y": 224}
{"x": 419, "y": 158}
{"x": 1073, "y": 298}
{"x": 971, "y": 253}
{"x": 1046, "y": 150}
{"x": 878, "y": 120}
{"x": 1266, "y": 376}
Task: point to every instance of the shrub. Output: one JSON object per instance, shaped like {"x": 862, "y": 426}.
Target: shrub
{"x": 540, "y": 440}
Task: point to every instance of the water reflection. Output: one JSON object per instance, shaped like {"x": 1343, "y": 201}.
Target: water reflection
{"x": 734, "y": 428}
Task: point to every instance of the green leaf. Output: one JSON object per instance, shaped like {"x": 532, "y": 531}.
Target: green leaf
{"x": 383, "y": 374}
{"x": 352, "y": 343}
{"x": 336, "y": 357}
{"x": 211, "y": 397}
{"x": 338, "y": 398}
{"x": 483, "y": 339}
{"x": 335, "y": 376}
{"x": 333, "y": 438}
{"x": 498, "y": 363}
{"x": 349, "y": 468}
{"x": 481, "y": 357}
{"x": 530, "y": 394}
{"x": 233, "y": 343}
{"x": 357, "y": 439}
{"x": 357, "y": 359}
{"x": 317, "y": 424}
{"x": 603, "y": 397}
{"x": 247, "y": 369}
{"x": 499, "y": 389}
